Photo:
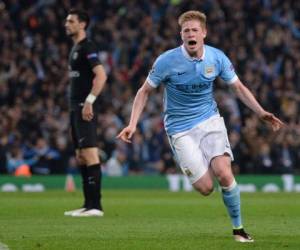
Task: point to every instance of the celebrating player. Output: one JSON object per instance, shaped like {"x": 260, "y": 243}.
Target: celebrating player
{"x": 196, "y": 131}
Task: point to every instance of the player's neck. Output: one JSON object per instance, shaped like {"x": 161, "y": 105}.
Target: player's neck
{"x": 79, "y": 37}
{"x": 198, "y": 54}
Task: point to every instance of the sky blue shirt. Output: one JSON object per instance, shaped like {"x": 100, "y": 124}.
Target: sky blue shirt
{"x": 188, "y": 82}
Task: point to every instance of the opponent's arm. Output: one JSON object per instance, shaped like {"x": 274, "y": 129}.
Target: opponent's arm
{"x": 137, "y": 108}
{"x": 98, "y": 84}
{"x": 249, "y": 100}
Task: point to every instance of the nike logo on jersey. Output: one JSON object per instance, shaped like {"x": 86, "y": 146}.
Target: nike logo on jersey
{"x": 81, "y": 140}
{"x": 180, "y": 73}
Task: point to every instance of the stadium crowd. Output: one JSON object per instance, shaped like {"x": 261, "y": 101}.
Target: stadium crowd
{"x": 261, "y": 37}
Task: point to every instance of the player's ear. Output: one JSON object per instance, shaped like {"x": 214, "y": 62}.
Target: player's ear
{"x": 204, "y": 32}
{"x": 181, "y": 35}
{"x": 82, "y": 25}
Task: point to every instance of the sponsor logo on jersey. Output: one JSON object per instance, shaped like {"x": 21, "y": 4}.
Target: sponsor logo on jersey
{"x": 74, "y": 73}
{"x": 193, "y": 88}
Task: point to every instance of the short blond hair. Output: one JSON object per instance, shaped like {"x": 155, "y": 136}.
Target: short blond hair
{"x": 192, "y": 15}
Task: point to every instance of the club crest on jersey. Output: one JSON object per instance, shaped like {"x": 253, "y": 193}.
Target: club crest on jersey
{"x": 209, "y": 70}
{"x": 75, "y": 55}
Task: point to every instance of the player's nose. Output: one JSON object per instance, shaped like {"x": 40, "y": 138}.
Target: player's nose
{"x": 191, "y": 35}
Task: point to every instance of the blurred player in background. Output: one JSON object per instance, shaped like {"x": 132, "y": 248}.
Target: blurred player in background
{"x": 87, "y": 78}
{"x": 196, "y": 131}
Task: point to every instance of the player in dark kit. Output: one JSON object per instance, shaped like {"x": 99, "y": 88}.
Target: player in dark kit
{"x": 87, "y": 77}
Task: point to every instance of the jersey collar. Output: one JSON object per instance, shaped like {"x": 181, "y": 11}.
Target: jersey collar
{"x": 186, "y": 54}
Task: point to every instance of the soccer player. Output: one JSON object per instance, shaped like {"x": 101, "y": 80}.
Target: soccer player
{"x": 87, "y": 78}
{"x": 195, "y": 129}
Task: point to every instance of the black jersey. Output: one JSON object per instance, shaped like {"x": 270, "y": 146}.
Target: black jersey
{"x": 82, "y": 59}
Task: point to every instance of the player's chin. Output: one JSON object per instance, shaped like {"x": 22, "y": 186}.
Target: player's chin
{"x": 192, "y": 49}
{"x": 69, "y": 33}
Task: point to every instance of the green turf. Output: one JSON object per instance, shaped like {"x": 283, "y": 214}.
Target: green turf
{"x": 147, "y": 220}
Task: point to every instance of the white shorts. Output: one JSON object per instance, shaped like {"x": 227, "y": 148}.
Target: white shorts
{"x": 194, "y": 149}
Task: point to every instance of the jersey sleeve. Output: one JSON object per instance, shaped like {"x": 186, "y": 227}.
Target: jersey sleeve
{"x": 158, "y": 73}
{"x": 227, "y": 72}
{"x": 91, "y": 54}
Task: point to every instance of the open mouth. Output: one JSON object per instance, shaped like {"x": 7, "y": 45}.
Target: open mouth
{"x": 192, "y": 42}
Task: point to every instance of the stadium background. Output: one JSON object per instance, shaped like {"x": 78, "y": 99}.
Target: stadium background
{"x": 260, "y": 36}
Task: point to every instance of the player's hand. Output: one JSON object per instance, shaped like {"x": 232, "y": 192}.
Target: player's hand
{"x": 126, "y": 134}
{"x": 271, "y": 119}
{"x": 87, "y": 112}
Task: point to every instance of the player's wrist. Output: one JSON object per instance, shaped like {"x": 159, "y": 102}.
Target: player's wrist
{"x": 261, "y": 113}
{"x": 132, "y": 127}
{"x": 90, "y": 98}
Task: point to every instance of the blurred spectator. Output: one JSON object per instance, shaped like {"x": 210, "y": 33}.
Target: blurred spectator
{"x": 265, "y": 162}
{"x": 285, "y": 155}
{"x": 168, "y": 162}
{"x": 237, "y": 147}
{"x": 117, "y": 164}
{"x": 138, "y": 153}
{"x": 15, "y": 160}
{"x": 46, "y": 157}
{"x": 3, "y": 154}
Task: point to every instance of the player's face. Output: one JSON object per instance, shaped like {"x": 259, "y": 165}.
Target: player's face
{"x": 72, "y": 25}
{"x": 192, "y": 35}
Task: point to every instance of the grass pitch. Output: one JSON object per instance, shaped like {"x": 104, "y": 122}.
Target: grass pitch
{"x": 146, "y": 219}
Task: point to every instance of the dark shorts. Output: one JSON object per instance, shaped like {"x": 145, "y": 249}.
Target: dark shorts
{"x": 84, "y": 133}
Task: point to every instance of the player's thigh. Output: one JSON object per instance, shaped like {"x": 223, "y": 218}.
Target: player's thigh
{"x": 189, "y": 156}
{"x": 85, "y": 131}
{"x": 214, "y": 140}
{"x": 80, "y": 160}
{"x": 90, "y": 155}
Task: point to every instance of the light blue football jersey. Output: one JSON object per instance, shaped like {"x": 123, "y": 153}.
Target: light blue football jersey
{"x": 188, "y": 82}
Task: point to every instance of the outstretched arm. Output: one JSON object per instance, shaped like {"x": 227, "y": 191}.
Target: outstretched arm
{"x": 137, "y": 108}
{"x": 249, "y": 100}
